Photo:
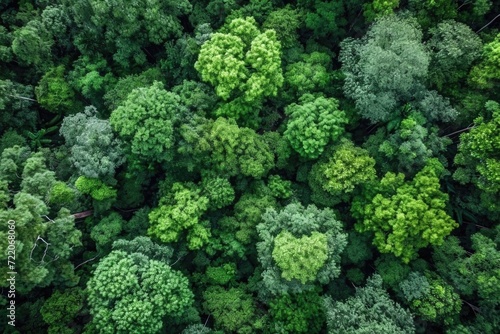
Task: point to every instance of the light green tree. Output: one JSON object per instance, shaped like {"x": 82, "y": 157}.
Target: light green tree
{"x": 243, "y": 64}
{"x": 477, "y": 158}
{"x": 299, "y": 247}
{"x": 181, "y": 209}
{"x": 405, "y": 216}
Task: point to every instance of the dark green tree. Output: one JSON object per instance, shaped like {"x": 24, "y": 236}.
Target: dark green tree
{"x": 370, "y": 310}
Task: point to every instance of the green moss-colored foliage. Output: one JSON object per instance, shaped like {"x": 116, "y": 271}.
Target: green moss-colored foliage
{"x": 61, "y": 194}
{"x": 132, "y": 292}
{"x": 129, "y": 27}
{"x": 430, "y": 12}
{"x": 486, "y": 74}
{"x": 470, "y": 274}
{"x": 11, "y": 138}
{"x": 348, "y": 168}
{"x": 385, "y": 68}
{"x": 379, "y": 8}
{"x": 325, "y": 19}
{"x": 285, "y": 22}
{"x": 95, "y": 188}
{"x": 145, "y": 121}
{"x": 32, "y": 45}
{"x": 16, "y": 101}
{"x": 248, "y": 212}
{"x": 221, "y": 275}
{"x": 407, "y": 144}
{"x": 61, "y": 308}
{"x": 224, "y": 148}
{"x": 232, "y": 309}
{"x": 288, "y": 239}
{"x": 405, "y": 215}
{"x": 219, "y": 192}
{"x": 313, "y": 123}
{"x": 279, "y": 188}
{"x": 371, "y": 310}
{"x": 106, "y": 231}
{"x": 392, "y": 270}
{"x": 45, "y": 234}
{"x": 124, "y": 86}
{"x": 416, "y": 286}
{"x": 240, "y": 61}
{"x": 180, "y": 210}
{"x": 477, "y": 157}
{"x": 454, "y": 47}
{"x": 91, "y": 76}
{"x": 358, "y": 249}
{"x": 54, "y": 93}
{"x": 297, "y": 313}
{"x": 300, "y": 258}
{"x": 309, "y": 75}
{"x": 440, "y": 304}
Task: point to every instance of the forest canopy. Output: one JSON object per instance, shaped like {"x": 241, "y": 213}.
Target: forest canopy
{"x": 230, "y": 166}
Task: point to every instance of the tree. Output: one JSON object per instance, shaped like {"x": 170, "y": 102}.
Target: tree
{"x": 32, "y": 45}
{"x": 311, "y": 74}
{"x": 485, "y": 75}
{"x": 370, "y": 310}
{"x": 326, "y": 19}
{"x": 379, "y": 8}
{"x": 297, "y": 313}
{"x": 61, "y": 308}
{"x": 233, "y": 309}
{"x": 54, "y": 93}
{"x": 223, "y": 148}
{"x": 131, "y": 292}
{"x": 122, "y": 29}
{"x": 299, "y": 247}
{"x": 241, "y": 63}
{"x": 16, "y": 106}
{"x": 181, "y": 210}
{"x": 91, "y": 76}
{"x": 439, "y": 304}
{"x": 454, "y": 47}
{"x": 95, "y": 151}
{"x": 313, "y": 123}
{"x": 348, "y": 168}
{"x": 219, "y": 192}
{"x": 405, "y": 216}
{"x": 406, "y": 145}
{"x": 285, "y": 22}
{"x": 106, "y": 231}
{"x": 289, "y": 254}
{"x": 124, "y": 86}
{"x": 471, "y": 273}
{"x": 477, "y": 158}
{"x": 46, "y": 236}
{"x": 97, "y": 189}
{"x": 145, "y": 121}
{"x": 386, "y": 68}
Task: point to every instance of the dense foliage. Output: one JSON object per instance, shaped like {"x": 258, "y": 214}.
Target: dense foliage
{"x": 226, "y": 166}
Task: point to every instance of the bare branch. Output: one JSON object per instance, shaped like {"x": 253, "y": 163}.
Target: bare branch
{"x": 488, "y": 23}
{"x": 88, "y": 260}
